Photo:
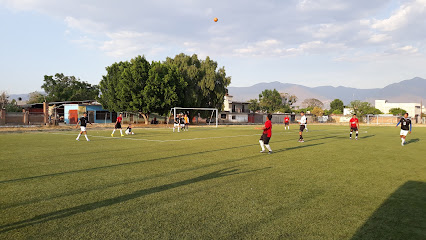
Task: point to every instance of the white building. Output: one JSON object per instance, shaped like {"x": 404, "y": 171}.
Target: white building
{"x": 232, "y": 106}
{"x": 413, "y": 109}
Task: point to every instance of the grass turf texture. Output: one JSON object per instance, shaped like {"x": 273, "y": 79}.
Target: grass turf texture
{"x": 215, "y": 184}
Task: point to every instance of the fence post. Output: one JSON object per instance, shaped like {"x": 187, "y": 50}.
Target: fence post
{"x": 2, "y": 116}
{"x": 46, "y": 112}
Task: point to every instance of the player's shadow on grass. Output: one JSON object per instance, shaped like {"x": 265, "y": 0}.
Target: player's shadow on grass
{"x": 414, "y": 140}
{"x": 368, "y": 136}
{"x": 298, "y": 147}
{"x": 120, "y": 199}
{"x": 401, "y": 216}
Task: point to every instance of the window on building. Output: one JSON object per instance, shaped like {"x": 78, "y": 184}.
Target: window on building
{"x": 234, "y": 117}
{"x": 233, "y": 107}
{"x": 102, "y": 115}
{"x": 223, "y": 116}
{"x": 243, "y": 108}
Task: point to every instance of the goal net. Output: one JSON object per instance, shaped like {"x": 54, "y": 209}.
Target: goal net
{"x": 382, "y": 119}
{"x": 197, "y": 116}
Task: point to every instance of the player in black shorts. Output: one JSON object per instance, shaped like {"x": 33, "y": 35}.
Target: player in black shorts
{"x": 83, "y": 123}
{"x": 118, "y": 125}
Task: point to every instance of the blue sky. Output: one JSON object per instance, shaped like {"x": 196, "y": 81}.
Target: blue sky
{"x": 363, "y": 43}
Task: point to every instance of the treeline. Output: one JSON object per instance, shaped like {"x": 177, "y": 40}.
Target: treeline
{"x": 145, "y": 87}
{"x": 184, "y": 81}
{"x": 272, "y": 101}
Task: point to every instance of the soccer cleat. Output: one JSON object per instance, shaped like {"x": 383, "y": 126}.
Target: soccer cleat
{"x": 77, "y": 139}
{"x": 350, "y": 138}
{"x": 112, "y": 134}
{"x": 402, "y": 143}
{"x": 88, "y": 140}
{"x": 270, "y": 152}
{"x": 263, "y": 151}
{"x": 356, "y": 139}
{"x": 122, "y": 135}
{"x": 302, "y": 141}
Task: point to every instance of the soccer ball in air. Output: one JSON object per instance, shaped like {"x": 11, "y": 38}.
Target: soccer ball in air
{"x": 215, "y": 19}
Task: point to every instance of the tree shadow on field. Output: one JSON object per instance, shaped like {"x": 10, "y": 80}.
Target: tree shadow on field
{"x": 401, "y": 216}
{"x": 414, "y": 140}
{"x": 67, "y": 212}
{"x": 128, "y": 163}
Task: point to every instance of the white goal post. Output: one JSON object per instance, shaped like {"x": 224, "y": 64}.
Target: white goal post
{"x": 214, "y": 111}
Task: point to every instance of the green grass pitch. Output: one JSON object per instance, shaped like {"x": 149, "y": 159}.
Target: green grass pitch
{"x": 213, "y": 184}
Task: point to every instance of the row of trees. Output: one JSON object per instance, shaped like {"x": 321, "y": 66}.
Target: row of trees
{"x": 140, "y": 86}
{"x": 185, "y": 81}
{"x": 272, "y": 101}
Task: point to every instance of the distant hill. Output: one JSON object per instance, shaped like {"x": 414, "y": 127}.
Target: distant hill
{"x": 412, "y": 90}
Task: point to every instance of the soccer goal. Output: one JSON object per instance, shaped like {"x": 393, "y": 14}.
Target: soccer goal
{"x": 212, "y": 114}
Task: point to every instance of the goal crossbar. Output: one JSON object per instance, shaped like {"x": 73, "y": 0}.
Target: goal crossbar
{"x": 202, "y": 109}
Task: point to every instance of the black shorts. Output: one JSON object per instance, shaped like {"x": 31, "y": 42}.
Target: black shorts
{"x": 287, "y": 124}
{"x": 302, "y": 127}
{"x": 117, "y": 125}
{"x": 354, "y": 129}
{"x": 265, "y": 138}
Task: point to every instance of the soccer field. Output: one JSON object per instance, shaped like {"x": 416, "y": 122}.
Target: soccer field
{"x": 213, "y": 183}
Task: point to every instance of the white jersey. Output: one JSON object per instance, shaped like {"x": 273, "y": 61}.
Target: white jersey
{"x": 302, "y": 121}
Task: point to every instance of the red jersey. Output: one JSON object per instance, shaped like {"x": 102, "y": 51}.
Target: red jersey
{"x": 119, "y": 119}
{"x": 286, "y": 119}
{"x": 354, "y": 122}
{"x": 268, "y": 128}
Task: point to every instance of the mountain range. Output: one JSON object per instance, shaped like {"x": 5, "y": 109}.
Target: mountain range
{"x": 413, "y": 90}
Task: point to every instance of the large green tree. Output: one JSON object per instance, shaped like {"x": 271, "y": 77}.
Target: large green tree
{"x": 164, "y": 88}
{"x": 68, "y": 88}
{"x": 206, "y": 84}
{"x": 254, "y": 105}
{"x": 362, "y": 108}
{"x": 183, "y": 81}
{"x": 336, "y": 106}
{"x": 122, "y": 88}
{"x": 270, "y": 100}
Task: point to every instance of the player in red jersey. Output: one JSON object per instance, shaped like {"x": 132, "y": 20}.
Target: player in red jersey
{"x": 266, "y": 135}
{"x": 118, "y": 125}
{"x": 286, "y": 122}
{"x": 354, "y": 124}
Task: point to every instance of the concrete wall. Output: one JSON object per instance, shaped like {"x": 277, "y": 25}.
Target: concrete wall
{"x": 237, "y": 118}
{"x": 413, "y": 109}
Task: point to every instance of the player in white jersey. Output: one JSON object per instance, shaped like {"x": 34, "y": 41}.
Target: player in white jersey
{"x": 302, "y": 123}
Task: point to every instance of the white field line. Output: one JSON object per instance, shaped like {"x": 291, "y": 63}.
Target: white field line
{"x": 153, "y": 140}
{"x": 193, "y": 139}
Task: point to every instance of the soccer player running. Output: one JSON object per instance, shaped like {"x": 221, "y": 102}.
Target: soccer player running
{"x": 118, "y": 125}
{"x": 354, "y": 125}
{"x": 266, "y": 136}
{"x": 83, "y": 123}
{"x": 302, "y": 123}
{"x": 286, "y": 122}
{"x": 405, "y": 128}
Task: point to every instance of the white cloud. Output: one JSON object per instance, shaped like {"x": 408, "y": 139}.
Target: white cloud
{"x": 378, "y": 38}
{"x": 406, "y": 14}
